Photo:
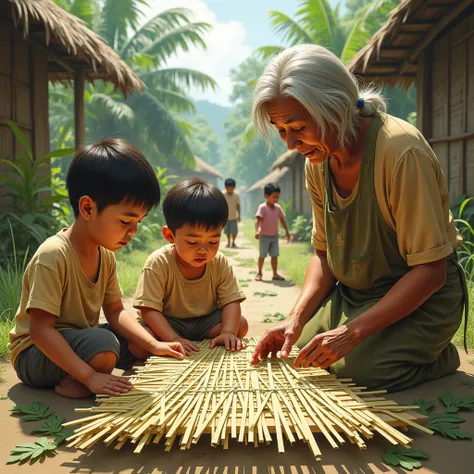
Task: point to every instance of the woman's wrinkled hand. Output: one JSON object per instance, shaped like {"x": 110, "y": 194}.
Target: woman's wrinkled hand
{"x": 280, "y": 338}
{"x": 327, "y": 348}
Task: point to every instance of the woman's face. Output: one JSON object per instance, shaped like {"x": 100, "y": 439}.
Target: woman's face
{"x": 297, "y": 129}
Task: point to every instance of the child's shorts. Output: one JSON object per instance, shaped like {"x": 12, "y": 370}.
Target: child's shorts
{"x": 35, "y": 369}
{"x": 269, "y": 246}
{"x": 195, "y": 329}
{"x": 231, "y": 227}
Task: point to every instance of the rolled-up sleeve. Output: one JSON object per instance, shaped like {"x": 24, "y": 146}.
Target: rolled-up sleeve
{"x": 418, "y": 202}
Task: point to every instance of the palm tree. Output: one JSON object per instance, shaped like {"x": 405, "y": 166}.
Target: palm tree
{"x": 316, "y": 22}
{"x": 145, "y": 119}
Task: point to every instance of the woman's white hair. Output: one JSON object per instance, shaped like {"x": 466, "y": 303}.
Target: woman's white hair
{"x": 317, "y": 79}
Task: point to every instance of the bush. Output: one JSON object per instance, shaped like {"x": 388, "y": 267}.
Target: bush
{"x": 35, "y": 208}
{"x": 302, "y": 228}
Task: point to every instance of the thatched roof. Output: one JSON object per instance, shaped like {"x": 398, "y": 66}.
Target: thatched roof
{"x": 286, "y": 159}
{"x": 69, "y": 43}
{"x": 391, "y": 54}
{"x": 273, "y": 177}
{"x": 205, "y": 168}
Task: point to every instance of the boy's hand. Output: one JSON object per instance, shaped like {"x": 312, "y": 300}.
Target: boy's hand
{"x": 173, "y": 349}
{"x": 108, "y": 384}
{"x": 288, "y": 237}
{"x": 257, "y": 235}
{"x": 229, "y": 340}
{"x": 189, "y": 346}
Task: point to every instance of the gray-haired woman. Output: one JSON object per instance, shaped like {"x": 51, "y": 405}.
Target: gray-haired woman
{"x": 383, "y": 294}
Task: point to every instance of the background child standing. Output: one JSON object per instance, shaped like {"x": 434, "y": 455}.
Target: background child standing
{"x": 233, "y": 201}
{"x": 266, "y": 227}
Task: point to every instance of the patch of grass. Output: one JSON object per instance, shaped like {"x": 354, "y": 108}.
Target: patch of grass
{"x": 129, "y": 266}
{"x": 5, "y": 328}
{"x": 271, "y": 318}
{"x": 252, "y": 272}
{"x": 265, "y": 293}
{"x": 229, "y": 253}
{"x": 246, "y": 262}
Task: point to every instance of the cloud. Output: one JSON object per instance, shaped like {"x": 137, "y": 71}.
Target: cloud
{"x": 226, "y": 48}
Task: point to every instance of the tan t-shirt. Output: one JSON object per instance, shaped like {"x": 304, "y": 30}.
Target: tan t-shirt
{"x": 163, "y": 287}
{"x": 411, "y": 191}
{"x": 55, "y": 282}
{"x": 232, "y": 201}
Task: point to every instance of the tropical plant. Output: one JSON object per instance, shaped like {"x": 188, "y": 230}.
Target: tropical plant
{"x": 30, "y": 198}
{"x": 144, "y": 119}
{"x": 302, "y": 228}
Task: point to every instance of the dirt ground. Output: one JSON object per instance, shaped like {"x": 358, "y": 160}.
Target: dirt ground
{"x": 447, "y": 457}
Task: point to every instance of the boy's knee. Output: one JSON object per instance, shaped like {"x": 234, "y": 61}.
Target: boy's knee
{"x": 243, "y": 328}
{"x": 104, "y": 362}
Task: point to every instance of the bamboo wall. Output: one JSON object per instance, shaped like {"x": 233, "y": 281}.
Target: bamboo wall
{"x": 445, "y": 90}
{"x": 23, "y": 97}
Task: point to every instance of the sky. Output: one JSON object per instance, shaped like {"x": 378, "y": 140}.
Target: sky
{"x": 240, "y": 26}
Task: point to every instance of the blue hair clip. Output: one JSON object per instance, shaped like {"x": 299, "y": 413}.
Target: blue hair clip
{"x": 360, "y": 103}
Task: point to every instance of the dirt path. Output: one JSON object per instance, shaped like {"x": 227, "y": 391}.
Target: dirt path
{"x": 447, "y": 457}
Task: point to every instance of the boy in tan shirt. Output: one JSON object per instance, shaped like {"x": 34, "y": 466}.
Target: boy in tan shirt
{"x": 187, "y": 290}
{"x": 56, "y": 341}
{"x": 233, "y": 201}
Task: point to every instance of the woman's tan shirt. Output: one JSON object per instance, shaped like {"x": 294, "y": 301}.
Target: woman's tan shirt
{"x": 411, "y": 191}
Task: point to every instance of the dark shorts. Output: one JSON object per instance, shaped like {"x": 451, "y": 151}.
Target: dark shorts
{"x": 231, "y": 227}
{"x": 195, "y": 329}
{"x": 35, "y": 369}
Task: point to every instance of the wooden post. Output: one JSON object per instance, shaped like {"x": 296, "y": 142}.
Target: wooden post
{"x": 79, "y": 79}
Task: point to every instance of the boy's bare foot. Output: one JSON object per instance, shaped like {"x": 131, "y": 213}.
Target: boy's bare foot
{"x": 72, "y": 388}
{"x": 278, "y": 277}
{"x": 258, "y": 277}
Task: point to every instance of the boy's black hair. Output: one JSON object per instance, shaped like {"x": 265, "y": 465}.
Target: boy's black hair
{"x": 110, "y": 172}
{"x": 229, "y": 182}
{"x": 271, "y": 188}
{"x": 194, "y": 202}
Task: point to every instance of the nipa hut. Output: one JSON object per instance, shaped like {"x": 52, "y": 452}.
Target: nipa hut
{"x": 295, "y": 182}
{"x": 41, "y": 42}
{"x": 431, "y": 43}
{"x": 255, "y": 193}
{"x": 201, "y": 170}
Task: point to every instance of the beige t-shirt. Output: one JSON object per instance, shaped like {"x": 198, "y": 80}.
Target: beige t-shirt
{"x": 163, "y": 287}
{"x": 55, "y": 282}
{"x": 232, "y": 201}
{"x": 411, "y": 191}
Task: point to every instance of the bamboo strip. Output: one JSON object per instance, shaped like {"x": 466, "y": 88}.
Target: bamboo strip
{"x": 219, "y": 393}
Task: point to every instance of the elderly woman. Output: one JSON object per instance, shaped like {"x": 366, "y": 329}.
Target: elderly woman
{"x": 383, "y": 294}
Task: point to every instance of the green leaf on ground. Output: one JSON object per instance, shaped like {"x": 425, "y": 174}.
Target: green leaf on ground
{"x": 63, "y": 436}
{"x": 35, "y": 411}
{"x": 32, "y": 452}
{"x": 424, "y": 405}
{"x": 446, "y": 424}
{"x": 406, "y": 458}
{"x": 244, "y": 280}
{"x": 51, "y": 427}
{"x": 244, "y": 285}
{"x": 253, "y": 272}
{"x": 453, "y": 405}
{"x": 265, "y": 293}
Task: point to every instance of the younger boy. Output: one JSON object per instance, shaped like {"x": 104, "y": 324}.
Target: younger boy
{"x": 266, "y": 229}
{"x": 187, "y": 290}
{"x": 56, "y": 341}
{"x": 233, "y": 201}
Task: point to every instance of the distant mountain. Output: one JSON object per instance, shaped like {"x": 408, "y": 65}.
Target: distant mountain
{"x": 216, "y": 115}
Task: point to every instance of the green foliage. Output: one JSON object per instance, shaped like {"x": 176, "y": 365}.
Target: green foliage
{"x": 229, "y": 253}
{"x": 203, "y": 140}
{"x": 302, "y": 228}
{"x": 51, "y": 427}
{"x": 406, "y": 458}
{"x": 271, "y": 318}
{"x": 246, "y": 262}
{"x": 424, "y": 406}
{"x": 147, "y": 120}
{"x": 447, "y": 425}
{"x": 32, "y": 452}
{"x": 63, "y": 436}
{"x": 265, "y": 293}
{"x": 34, "y": 207}
{"x": 453, "y": 405}
{"x": 35, "y": 411}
